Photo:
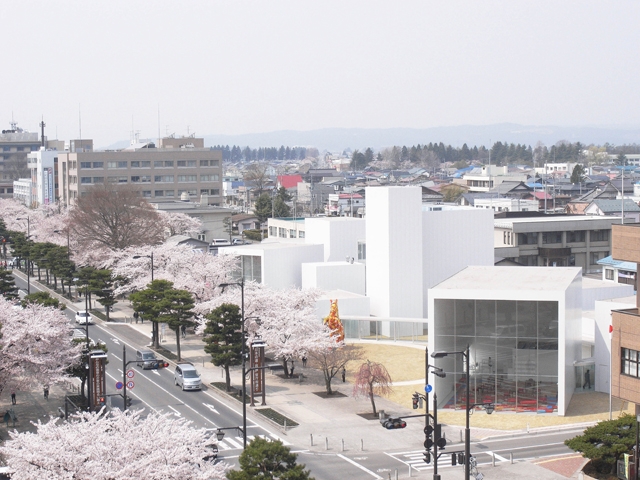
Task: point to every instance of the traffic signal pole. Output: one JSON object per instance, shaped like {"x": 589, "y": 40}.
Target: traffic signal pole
{"x": 436, "y": 438}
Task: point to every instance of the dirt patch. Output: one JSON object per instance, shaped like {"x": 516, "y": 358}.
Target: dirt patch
{"x": 403, "y": 363}
{"x": 333, "y": 395}
{"x": 368, "y": 416}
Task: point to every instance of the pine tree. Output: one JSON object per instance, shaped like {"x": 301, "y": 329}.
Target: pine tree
{"x": 7, "y": 285}
{"x": 223, "y": 338}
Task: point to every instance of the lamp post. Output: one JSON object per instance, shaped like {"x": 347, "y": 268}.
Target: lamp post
{"x": 154, "y": 325}
{"x": 28, "y": 256}
{"x": 467, "y": 433}
{"x": 244, "y": 358}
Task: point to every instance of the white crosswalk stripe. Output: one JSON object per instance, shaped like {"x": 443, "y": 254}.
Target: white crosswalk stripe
{"x": 230, "y": 443}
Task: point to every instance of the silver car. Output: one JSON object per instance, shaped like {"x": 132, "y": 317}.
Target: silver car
{"x": 187, "y": 377}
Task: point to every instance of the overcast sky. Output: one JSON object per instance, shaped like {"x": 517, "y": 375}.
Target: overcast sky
{"x": 231, "y": 67}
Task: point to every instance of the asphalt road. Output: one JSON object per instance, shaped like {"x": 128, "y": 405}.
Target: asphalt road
{"x": 155, "y": 390}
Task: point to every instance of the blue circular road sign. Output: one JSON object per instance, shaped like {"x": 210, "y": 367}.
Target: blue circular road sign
{"x": 119, "y": 385}
{"x": 428, "y": 388}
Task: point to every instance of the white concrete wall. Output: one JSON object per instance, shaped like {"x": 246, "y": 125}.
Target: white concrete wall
{"x": 569, "y": 341}
{"x": 394, "y": 251}
{"x": 334, "y": 275}
{"x": 452, "y": 240}
{"x": 282, "y": 267}
{"x": 603, "y": 290}
{"x": 348, "y": 304}
{"x": 339, "y": 235}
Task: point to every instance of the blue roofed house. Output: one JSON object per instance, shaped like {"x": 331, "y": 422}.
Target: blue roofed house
{"x": 618, "y": 271}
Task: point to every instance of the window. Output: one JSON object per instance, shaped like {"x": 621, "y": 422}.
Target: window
{"x": 112, "y": 164}
{"x": 146, "y": 193}
{"x": 181, "y": 163}
{"x": 169, "y": 193}
{"x": 187, "y": 178}
{"x": 163, "y": 178}
{"x": 204, "y": 163}
{"x": 595, "y": 256}
{"x": 552, "y": 237}
{"x": 215, "y": 191}
{"x": 191, "y": 163}
{"x": 292, "y": 233}
{"x": 599, "y": 236}
{"x": 6, "y": 149}
{"x": 135, "y": 164}
{"x": 85, "y": 180}
{"x": 576, "y": 237}
{"x": 202, "y": 237}
{"x": 252, "y": 268}
{"x": 158, "y": 164}
{"x": 114, "y": 179}
{"x": 98, "y": 164}
{"x": 362, "y": 251}
{"x": 85, "y": 164}
{"x": 300, "y": 233}
{"x": 608, "y": 273}
{"x": 159, "y": 193}
{"x": 209, "y": 178}
{"x": 213, "y": 163}
{"x": 98, "y": 179}
{"x": 273, "y": 231}
{"x": 629, "y": 362}
{"x": 282, "y": 232}
{"x": 135, "y": 179}
{"x": 527, "y": 239}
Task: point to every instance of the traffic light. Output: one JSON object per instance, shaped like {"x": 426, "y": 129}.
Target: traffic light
{"x": 394, "y": 423}
{"x": 416, "y": 400}
{"x": 438, "y": 439}
{"x": 454, "y": 458}
{"x": 128, "y": 402}
{"x": 461, "y": 458}
{"x": 427, "y": 457}
{"x": 428, "y": 433}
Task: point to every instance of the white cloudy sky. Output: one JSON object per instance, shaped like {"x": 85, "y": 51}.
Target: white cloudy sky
{"x": 256, "y": 66}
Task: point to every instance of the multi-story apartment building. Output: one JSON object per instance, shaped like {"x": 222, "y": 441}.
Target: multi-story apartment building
{"x": 157, "y": 173}
{"x": 554, "y": 240}
{"x": 15, "y": 145}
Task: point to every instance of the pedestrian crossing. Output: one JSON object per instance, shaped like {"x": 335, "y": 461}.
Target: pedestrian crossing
{"x": 413, "y": 459}
{"x": 233, "y": 443}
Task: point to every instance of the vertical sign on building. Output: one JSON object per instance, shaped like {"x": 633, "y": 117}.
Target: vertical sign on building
{"x": 50, "y": 191}
{"x": 257, "y": 372}
{"x": 45, "y": 187}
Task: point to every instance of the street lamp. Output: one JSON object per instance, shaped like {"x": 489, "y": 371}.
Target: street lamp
{"x": 467, "y": 433}
{"x": 244, "y": 358}
{"x": 28, "y": 256}
{"x": 154, "y": 325}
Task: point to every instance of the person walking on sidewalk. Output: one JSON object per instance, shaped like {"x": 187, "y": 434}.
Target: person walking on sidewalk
{"x": 587, "y": 380}
{"x": 184, "y": 331}
{"x": 344, "y": 374}
{"x": 13, "y": 397}
{"x": 304, "y": 362}
{"x": 46, "y": 392}
{"x": 136, "y": 316}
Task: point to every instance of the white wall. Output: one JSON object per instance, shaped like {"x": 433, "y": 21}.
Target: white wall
{"x": 452, "y": 240}
{"x": 334, "y": 275}
{"x": 394, "y": 251}
{"x": 282, "y": 267}
{"x": 569, "y": 341}
{"x": 339, "y": 235}
{"x": 348, "y": 304}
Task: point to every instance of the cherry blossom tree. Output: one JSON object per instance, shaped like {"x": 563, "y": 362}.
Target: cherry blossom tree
{"x": 372, "y": 378}
{"x": 179, "y": 223}
{"x": 288, "y": 321}
{"x": 113, "y": 445}
{"x": 35, "y": 347}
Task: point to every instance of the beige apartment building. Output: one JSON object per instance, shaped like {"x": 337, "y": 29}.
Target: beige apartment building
{"x": 159, "y": 174}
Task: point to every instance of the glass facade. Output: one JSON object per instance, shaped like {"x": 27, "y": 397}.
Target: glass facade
{"x": 513, "y": 353}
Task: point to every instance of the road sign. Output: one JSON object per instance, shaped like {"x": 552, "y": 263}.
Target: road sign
{"x": 130, "y": 373}
{"x": 428, "y": 388}
{"x": 130, "y": 384}
{"x": 119, "y": 385}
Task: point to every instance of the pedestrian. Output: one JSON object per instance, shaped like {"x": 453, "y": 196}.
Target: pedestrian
{"x": 587, "y": 380}
{"x": 344, "y": 374}
{"x": 304, "y": 362}
{"x": 46, "y": 392}
{"x": 141, "y": 319}
{"x": 13, "y": 398}
{"x": 184, "y": 331}
{"x": 136, "y": 315}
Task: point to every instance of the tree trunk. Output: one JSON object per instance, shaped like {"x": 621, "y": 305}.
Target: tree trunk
{"x": 178, "y": 343}
{"x": 327, "y": 380}
{"x": 156, "y": 334}
{"x": 373, "y": 403}
{"x": 227, "y": 377}
{"x": 107, "y": 309}
{"x": 285, "y": 364}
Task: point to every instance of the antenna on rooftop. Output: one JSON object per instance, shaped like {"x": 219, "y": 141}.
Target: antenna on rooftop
{"x": 42, "y": 125}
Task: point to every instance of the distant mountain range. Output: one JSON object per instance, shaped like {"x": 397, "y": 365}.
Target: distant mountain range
{"x": 339, "y": 139}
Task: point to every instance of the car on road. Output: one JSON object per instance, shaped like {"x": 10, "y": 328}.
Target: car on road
{"x": 146, "y": 359}
{"x": 83, "y": 317}
{"x": 240, "y": 241}
{"x": 187, "y": 377}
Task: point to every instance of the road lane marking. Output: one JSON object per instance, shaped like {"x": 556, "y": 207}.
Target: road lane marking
{"x": 234, "y": 443}
{"x": 498, "y": 457}
{"x": 156, "y": 372}
{"x": 117, "y": 358}
{"x": 373, "y": 474}
{"x": 211, "y": 407}
{"x": 177, "y": 412}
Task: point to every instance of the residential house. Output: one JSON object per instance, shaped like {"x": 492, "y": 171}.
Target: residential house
{"x": 599, "y": 206}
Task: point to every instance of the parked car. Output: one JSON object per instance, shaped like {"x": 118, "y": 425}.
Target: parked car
{"x": 83, "y": 317}
{"x": 240, "y": 241}
{"x": 187, "y": 377}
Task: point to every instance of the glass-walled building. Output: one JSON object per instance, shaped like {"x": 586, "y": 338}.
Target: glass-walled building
{"x": 523, "y": 329}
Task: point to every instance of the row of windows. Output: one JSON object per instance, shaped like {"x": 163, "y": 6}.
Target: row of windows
{"x": 147, "y": 179}
{"x": 282, "y": 232}
{"x": 147, "y": 164}
{"x": 168, "y": 193}
{"x": 578, "y": 236}
{"x": 32, "y": 148}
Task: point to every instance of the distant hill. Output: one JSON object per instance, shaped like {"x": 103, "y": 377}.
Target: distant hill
{"x": 339, "y": 139}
